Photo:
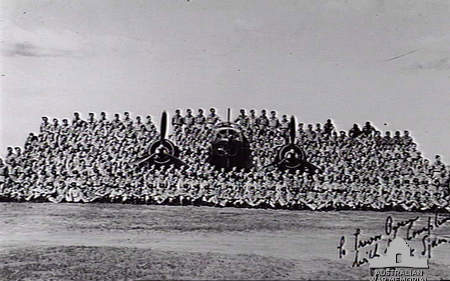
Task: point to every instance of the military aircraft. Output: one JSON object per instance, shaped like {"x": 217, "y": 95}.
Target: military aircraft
{"x": 290, "y": 157}
{"x": 161, "y": 152}
{"x": 229, "y": 148}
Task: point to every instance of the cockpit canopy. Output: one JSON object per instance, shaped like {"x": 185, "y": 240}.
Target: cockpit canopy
{"x": 228, "y": 134}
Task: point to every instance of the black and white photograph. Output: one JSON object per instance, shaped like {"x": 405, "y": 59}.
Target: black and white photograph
{"x": 224, "y": 140}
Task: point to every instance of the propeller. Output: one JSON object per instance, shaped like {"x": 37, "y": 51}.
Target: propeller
{"x": 154, "y": 154}
{"x": 289, "y": 145}
{"x": 162, "y": 131}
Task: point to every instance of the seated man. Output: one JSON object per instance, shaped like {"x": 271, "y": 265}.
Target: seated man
{"x": 3, "y": 173}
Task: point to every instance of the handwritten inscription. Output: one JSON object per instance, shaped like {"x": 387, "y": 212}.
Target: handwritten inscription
{"x": 365, "y": 249}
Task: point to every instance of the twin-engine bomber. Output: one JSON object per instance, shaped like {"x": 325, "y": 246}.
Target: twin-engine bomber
{"x": 229, "y": 148}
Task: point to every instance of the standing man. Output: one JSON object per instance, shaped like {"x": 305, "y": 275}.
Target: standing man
{"x": 55, "y": 127}
{"x": 189, "y": 119}
{"x": 200, "y": 119}
{"x": 368, "y": 129}
{"x": 149, "y": 125}
{"x": 252, "y": 119}
{"x": 92, "y": 123}
{"x": 177, "y": 120}
{"x": 406, "y": 138}
{"x": 138, "y": 122}
{"x": 284, "y": 125}
{"x": 76, "y": 121}
{"x": 212, "y": 118}
{"x": 328, "y": 127}
{"x": 262, "y": 120}
{"x": 103, "y": 118}
{"x": 116, "y": 122}
{"x": 127, "y": 120}
{"x": 300, "y": 128}
{"x": 91, "y": 118}
{"x": 242, "y": 119}
{"x": 10, "y": 156}
{"x": 45, "y": 125}
{"x": 273, "y": 121}
{"x": 355, "y": 131}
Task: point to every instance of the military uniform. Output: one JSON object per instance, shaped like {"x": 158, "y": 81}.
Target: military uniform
{"x": 242, "y": 120}
{"x": 284, "y": 125}
{"x": 189, "y": 120}
{"x": 263, "y": 121}
{"x": 273, "y": 122}
{"x": 212, "y": 119}
{"x": 200, "y": 120}
{"x": 252, "y": 120}
{"x": 45, "y": 127}
{"x": 3, "y": 174}
{"x": 177, "y": 121}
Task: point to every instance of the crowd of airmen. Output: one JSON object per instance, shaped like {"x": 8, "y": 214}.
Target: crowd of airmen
{"x": 91, "y": 161}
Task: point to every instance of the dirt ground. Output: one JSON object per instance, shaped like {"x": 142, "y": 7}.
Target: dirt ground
{"x": 40, "y": 241}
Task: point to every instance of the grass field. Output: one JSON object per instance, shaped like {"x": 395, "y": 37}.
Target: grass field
{"x": 40, "y": 241}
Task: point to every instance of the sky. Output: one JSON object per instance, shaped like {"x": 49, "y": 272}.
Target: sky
{"x": 387, "y": 62}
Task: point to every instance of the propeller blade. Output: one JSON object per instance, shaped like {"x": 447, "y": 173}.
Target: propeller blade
{"x": 313, "y": 167}
{"x": 135, "y": 162}
{"x": 176, "y": 160}
{"x": 163, "y": 128}
{"x": 292, "y": 129}
{"x": 142, "y": 160}
{"x": 271, "y": 164}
